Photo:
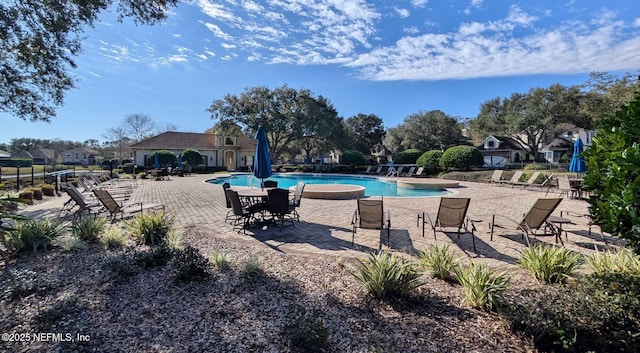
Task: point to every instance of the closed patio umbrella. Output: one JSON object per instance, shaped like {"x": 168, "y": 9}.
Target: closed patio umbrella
{"x": 156, "y": 161}
{"x": 577, "y": 164}
{"x": 179, "y": 160}
{"x": 262, "y": 160}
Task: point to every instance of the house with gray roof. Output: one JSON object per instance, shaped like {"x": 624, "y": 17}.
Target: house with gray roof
{"x": 217, "y": 150}
{"x": 46, "y": 156}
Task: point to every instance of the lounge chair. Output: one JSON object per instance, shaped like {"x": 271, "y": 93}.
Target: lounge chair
{"x": 452, "y": 213}
{"x": 418, "y": 172}
{"x": 565, "y": 187}
{"x": 378, "y": 171}
{"x": 279, "y": 207}
{"x": 514, "y": 178}
{"x": 409, "y": 172}
{"x": 495, "y": 177}
{"x": 76, "y": 199}
{"x": 529, "y": 182}
{"x": 370, "y": 214}
{"x": 367, "y": 171}
{"x": 533, "y": 220}
{"x": 116, "y": 208}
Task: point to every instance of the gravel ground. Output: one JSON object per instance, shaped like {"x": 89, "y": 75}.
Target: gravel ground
{"x": 119, "y": 308}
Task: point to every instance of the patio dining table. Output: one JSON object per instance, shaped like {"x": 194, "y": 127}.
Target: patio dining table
{"x": 256, "y": 200}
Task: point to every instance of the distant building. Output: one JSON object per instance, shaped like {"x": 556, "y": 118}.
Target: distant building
{"x": 81, "y": 155}
{"x": 498, "y": 151}
{"x": 217, "y": 150}
{"x": 40, "y": 156}
{"x": 4, "y": 154}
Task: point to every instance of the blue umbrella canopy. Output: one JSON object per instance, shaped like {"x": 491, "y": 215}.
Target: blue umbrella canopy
{"x": 156, "y": 161}
{"x": 577, "y": 164}
{"x": 179, "y": 160}
{"x": 262, "y": 160}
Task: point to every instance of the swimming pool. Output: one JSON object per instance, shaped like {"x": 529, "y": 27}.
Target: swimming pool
{"x": 373, "y": 186}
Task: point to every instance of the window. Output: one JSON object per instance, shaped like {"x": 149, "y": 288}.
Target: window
{"x": 491, "y": 144}
{"x": 228, "y": 141}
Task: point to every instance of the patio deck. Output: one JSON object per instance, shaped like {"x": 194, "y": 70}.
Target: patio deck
{"x": 325, "y": 227}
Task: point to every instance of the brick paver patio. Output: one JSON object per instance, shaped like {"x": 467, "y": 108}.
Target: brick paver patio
{"x": 325, "y": 226}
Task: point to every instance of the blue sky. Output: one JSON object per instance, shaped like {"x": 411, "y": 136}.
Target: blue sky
{"x": 389, "y": 58}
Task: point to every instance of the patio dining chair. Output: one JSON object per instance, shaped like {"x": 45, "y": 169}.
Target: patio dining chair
{"x": 279, "y": 207}
{"x": 370, "y": 214}
{"x": 297, "y": 197}
{"x": 242, "y": 216}
{"x": 452, "y": 213}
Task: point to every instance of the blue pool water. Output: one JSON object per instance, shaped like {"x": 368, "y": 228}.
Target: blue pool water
{"x": 373, "y": 186}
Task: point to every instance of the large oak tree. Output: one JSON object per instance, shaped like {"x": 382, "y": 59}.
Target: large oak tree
{"x": 38, "y": 42}
{"x": 288, "y": 115}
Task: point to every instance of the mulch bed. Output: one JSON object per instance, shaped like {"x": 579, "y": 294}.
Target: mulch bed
{"x": 281, "y": 308}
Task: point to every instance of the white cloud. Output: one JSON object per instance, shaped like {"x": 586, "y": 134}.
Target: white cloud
{"x": 491, "y": 49}
{"x": 403, "y": 13}
{"x": 217, "y": 11}
{"x": 636, "y": 22}
{"x": 228, "y": 46}
{"x": 419, "y": 3}
{"x": 411, "y": 30}
{"x": 217, "y": 31}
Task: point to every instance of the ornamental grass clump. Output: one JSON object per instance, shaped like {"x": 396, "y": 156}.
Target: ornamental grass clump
{"x": 34, "y": 234}
{"x": 549, "y": 264}
{"x": 386, "y": 275}
{"x": 220, "y": 259}
{"x": 112, "y": 238}
{"x": 251, "y": 266}
{"x": 620, "y": 261}
{"x": 88, "y": 229}
{"x": 482, "y": 286}
{"x": 151, "y": 228}
{"x": 438, "y": 261}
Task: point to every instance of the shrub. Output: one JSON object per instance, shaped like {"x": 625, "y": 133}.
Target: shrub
{"x": 304, "y": 331}
{"x": 409, "y": 156}
{"x": 191, "y": 157}
{"x": 549, "y": 264}
{"x": 33, "y": 234}
{"x": 48, "y": 189}
{"x": 164, "y": 157}
{"x": 151, "y": 228}
{"x": 596, "y": 313}
{"x": 430, "y": 160}
{"x": 353, "y": 157}
{"x": 26, "y": 196}
{"x": 220, "y": 259}
{"x": 482, "y": 286}
{"x": 613, "y": 176}
{"x": 387, "y": 275}
{"x": 621, "y": 261}
{"x": 461, "y": 158}
{"x": 37, "y": 193}
{"x": 535, "y": 166}
{"x": 438, "y": 261}
{"x": 88, "y": 228}
{"x": 189, "y": 264}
